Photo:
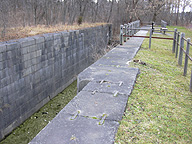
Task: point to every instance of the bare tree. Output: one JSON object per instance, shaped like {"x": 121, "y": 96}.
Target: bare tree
{"x": 178, "y": 7}
{"x": 184, "y": 4}
{"x": 110, "y": 12}
{"x": 14, "y": 13}
{"x": 4, "y": 17}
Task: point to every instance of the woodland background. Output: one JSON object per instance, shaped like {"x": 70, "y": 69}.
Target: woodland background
{"x": 21, "y": 13}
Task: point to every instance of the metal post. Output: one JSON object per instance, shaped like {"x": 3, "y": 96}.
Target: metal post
{"x": 125, "y": 37}
{"x": 177, "y": 41}
{"x": 181, "y": 51}
{"x": 121, "y": 34}
{"x": 150, "y": 38}
{"x": 174, "y": 41}
{"x": 186, "y": 57}
{"x": 191, "y": 82}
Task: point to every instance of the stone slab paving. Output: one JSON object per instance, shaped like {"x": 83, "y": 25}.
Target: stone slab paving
{"x": 93, "y": 116}
{"x": 98, "y": 105}
{"x": 81, "y": 130}
{"x": 111, "y": 87}
{"x": 106, "y": 73}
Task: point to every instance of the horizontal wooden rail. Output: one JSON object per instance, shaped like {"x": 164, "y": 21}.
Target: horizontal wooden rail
{"x": 163, "y": 30}
{"x": 184, "y": 38}
{"x": 183, "y": 50}
{"x": 187, "y": 54}
{"x": 147, "y": 29}
{"x": 189, "y": 57}
{"x": 138, "y": 29}
{"x": 149, "y": 37}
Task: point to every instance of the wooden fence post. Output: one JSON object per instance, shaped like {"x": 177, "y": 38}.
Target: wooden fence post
{"x": 138, "y": 25}
{"x": 125, "y": 37}
{"x": 121, "y": 34}
{"x": 186, "y": 57}
{"x": 174, "y": 41}
{"x": 132, "y": 32}
{"x": 191, "y": 82}
{"x": 150, "y": 38}
{"x": 181, "y": 51}
{"x": 129, "y": 26}
{"x": 177, "y": 44}
{"x": 134, "y": 27}
{"x": 152, "y": 27}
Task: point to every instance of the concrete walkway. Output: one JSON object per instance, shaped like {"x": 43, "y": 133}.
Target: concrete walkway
{"x": 93, "y": 116}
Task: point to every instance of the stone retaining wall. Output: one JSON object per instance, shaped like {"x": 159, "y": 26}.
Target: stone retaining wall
{"x": 35, "y": 69}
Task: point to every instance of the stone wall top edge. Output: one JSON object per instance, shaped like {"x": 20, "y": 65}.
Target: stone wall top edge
{"x": 100, "y": 26}
{"x": 32, "y": 40}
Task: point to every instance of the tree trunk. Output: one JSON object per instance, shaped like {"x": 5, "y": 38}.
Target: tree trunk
{"x": 177, "y": 16}
{"x": 110, "y": 12}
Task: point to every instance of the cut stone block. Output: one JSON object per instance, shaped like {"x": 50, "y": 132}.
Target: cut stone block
{"x": 96, "y": 105}
{"x": 81, "y": 130}
{"x": 113, "y": 62}
{"x": 107, "y": 73}
{"x": 119, "y": 87}
{"x": 124, "y": 52}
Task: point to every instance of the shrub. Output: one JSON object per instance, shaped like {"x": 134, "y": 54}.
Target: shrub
{"x": 80, "y": 20}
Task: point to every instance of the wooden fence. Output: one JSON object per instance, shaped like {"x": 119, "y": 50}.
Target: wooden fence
{"x": 128, "y": 30}
{"x": 178, "y": 47}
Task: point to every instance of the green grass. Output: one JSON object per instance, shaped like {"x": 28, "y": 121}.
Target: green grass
{"x": 182, "y": 29}
{"x": 160, "y": 107}
{"x": 32, "y": 126}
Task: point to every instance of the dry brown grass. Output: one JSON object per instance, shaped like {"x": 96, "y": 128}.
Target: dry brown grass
{"x": 21, "y": 32}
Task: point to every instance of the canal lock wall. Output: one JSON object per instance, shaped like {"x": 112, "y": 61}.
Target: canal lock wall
{"x": 35, "y": 69}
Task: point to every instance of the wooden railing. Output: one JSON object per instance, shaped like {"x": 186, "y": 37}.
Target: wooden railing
{"x": 128, "y": 30}
{"x": 178, "y": 46}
